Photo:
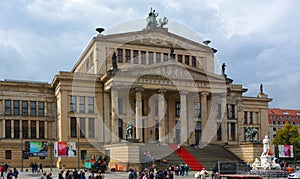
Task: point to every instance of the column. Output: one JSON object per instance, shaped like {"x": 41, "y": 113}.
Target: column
{"x": 12, "y": 128}
{"x": 114, "y": 115}
{"x": 107, "y": 120}
{"x": 37, "y": 129}
{"x": 138, "y": 112}
{"x": 204, "y": 117}
{"x": 3, "y": 128}
{"x": 183, "y": 117}
{"x": 161, "y": 116}
{"x": 46, "y": 130}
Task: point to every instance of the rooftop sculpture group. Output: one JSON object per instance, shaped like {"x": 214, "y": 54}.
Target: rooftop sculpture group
{"x": 152, "y": 22}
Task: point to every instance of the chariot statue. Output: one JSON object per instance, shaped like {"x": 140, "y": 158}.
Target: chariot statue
{"x": 152, "y": 22}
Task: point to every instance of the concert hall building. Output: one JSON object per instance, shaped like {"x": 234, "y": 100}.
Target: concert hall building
{"x": 163, "y": 84}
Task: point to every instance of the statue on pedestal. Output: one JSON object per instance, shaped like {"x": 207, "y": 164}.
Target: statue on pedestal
{"x": 266, "y": 146}
{"x": 129, "y": 131}
{"x": 250, "y": 134}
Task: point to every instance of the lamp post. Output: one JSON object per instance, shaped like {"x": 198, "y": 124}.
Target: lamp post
{"x": 78, "y": 148}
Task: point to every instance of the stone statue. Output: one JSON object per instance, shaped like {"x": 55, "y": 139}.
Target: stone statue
{"x": 172, "y": 55}
{"x": 250, "y": 133}
{"x": 223, "y": 68}
{"x": 151, "y": 19}
{"x": 129, "y": 131}
{"x": 256, "y": 164}
{"x": 114, "y": 61}
{"x": 261, "y": 89}
{"x": 266, "y": 146}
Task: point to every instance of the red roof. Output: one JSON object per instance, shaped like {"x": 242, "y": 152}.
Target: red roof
{"x": 281, "y": 112}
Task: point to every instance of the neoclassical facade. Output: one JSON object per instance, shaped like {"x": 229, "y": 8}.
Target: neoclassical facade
{"x": 162, "y": 84}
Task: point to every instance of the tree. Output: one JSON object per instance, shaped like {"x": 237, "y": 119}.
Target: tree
{"x": 288, "y": 135}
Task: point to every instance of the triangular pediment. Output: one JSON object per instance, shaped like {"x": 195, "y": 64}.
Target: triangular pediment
{"x": 155, "y": 37}
{"x": 171, "y": 70}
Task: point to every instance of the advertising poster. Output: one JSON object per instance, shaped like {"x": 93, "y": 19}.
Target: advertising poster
{"x": 36, "y": 149}
{"x": 64, "y": 149}
{"x": 285, "y": 151}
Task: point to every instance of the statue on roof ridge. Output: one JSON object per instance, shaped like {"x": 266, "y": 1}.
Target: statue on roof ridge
{"x": 151, "y": 19}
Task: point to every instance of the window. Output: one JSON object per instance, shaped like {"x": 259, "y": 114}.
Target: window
{"x": 219, "y": 132}
{"x": 156, "y": 107}
{"x": 158, "y": 57}
{"x": 120, "y": 128}
{"x": 91, "y": 104}
{"x": 25, "y": 129}
{"x": 7, "y": 129}
{"x": 231, "y": 111}
{"x": 91, "y": 127}
{"x": 7, "y": 107}
{"x": 150, "y": 57}
{"x": 177, "y": 109}
{"x": 42, "y": 129}
{"x": 8, "y": 154}
{"x": 41, "y": 108}
{"x": 73, "y": 127}
{"x": 143, "y": 57}
{"x": 82, "y": 104}
{"x": 33, "y": 129}
{"x": 193, "y": 61}
{"x": 120, "y": 55}
{"x": 187, "y": 59}
{"x": 72, "y": 103}
{"x": 24, "y": 108}
{"x": 32, "y": 108}
{"x": 219, "y": 112}
{"x": 16, "y": 107}
{"x": 120, "y": 106}
{"x": 16, "y": 129}
{"x": 82, "y": 154}
{"x": 251, "y": 118}
{"x": 135, "y": 56}
{"x": 232, "y": 132}
{"x": 245, "y": 117}
{"x": 82, "y": 127}
{"x": 166, "y": 56}
{"x": 197, "y": 109}
{"x": 179, "y": 57}
{"x": 127, "y": 56}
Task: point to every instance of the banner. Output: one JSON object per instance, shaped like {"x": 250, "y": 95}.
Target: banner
{"x": 286, "y": 151}
{"x": 36, "y": 149}
{"x": 64, "y": 149}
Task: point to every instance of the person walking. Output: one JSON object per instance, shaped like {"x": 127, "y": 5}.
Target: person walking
{"x": 10, "y": 175}
{"x": 16, "y": 173}
{"x": 41, "y": 168}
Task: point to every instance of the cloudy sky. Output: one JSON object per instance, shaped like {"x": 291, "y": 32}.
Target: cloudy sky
{"x": 258, "y": 40}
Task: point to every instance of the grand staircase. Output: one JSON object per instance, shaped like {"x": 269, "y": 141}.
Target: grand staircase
{"x": 167, "y": 155}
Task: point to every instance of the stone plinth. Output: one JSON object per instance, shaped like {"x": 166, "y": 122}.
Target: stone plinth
{"x": 246, "y": 151}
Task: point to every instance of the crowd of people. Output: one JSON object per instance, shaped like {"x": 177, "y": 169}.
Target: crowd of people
{"x": 7, "y": 172}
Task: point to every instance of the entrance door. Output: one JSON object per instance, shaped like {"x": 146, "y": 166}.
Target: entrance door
{"x": 197, "y": 132}
{"x": 120, "y": 127}
{"x": 177, "y": 126}
{"x": 156, "y": 130}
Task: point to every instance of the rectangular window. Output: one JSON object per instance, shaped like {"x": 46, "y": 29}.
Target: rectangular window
{"x": 73, "y": 127}
{"x": 16, "y": 129}
{"x": 16, "y": 107}
{"x": 82, "y": 154}
{"x": 219, "y": 132}
{"x": 127, "y": 56}
{"x": 143, "y": 57}
{"x": 91, "y": 127}
{"x": 158, "y": 57}
{"x": 25, "y": 129}
{"x": 24, "y": 108}
{"x": 231, "y": 111}
{"x": 7, "y": 129}
{"x": 156, "y": 107}
{"x": 41, "y": 129}
{"x": 245, "y": 117}
{"x": 179, "y": 58}
{"x": 150, "y": 57}
{"x": 82, "y": 127}
{"x": 8, "y": 154}
{"x": 91, "y": 104}
{"x": 41, "y": 106}
{"x": 251, "y": 118}
{"x": 120, "y": 55}
{"x": 33, "y": 129}
{"x": 120, "y": 106}
{"x": 72, "y": 103}
{"x": 197, "y": 109}
{"x": 7, "y": 107}
{"x": 219, "y": 111}
{"x": 193, "y": 61}
{"x": 135, "y": 56}
{"x": 165, "y": 56}
{"x": 82, "y": 104}
{"x": 187, "y": 59}
{"x": 177, "y": 109}
{"x": 32, "y": 108}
